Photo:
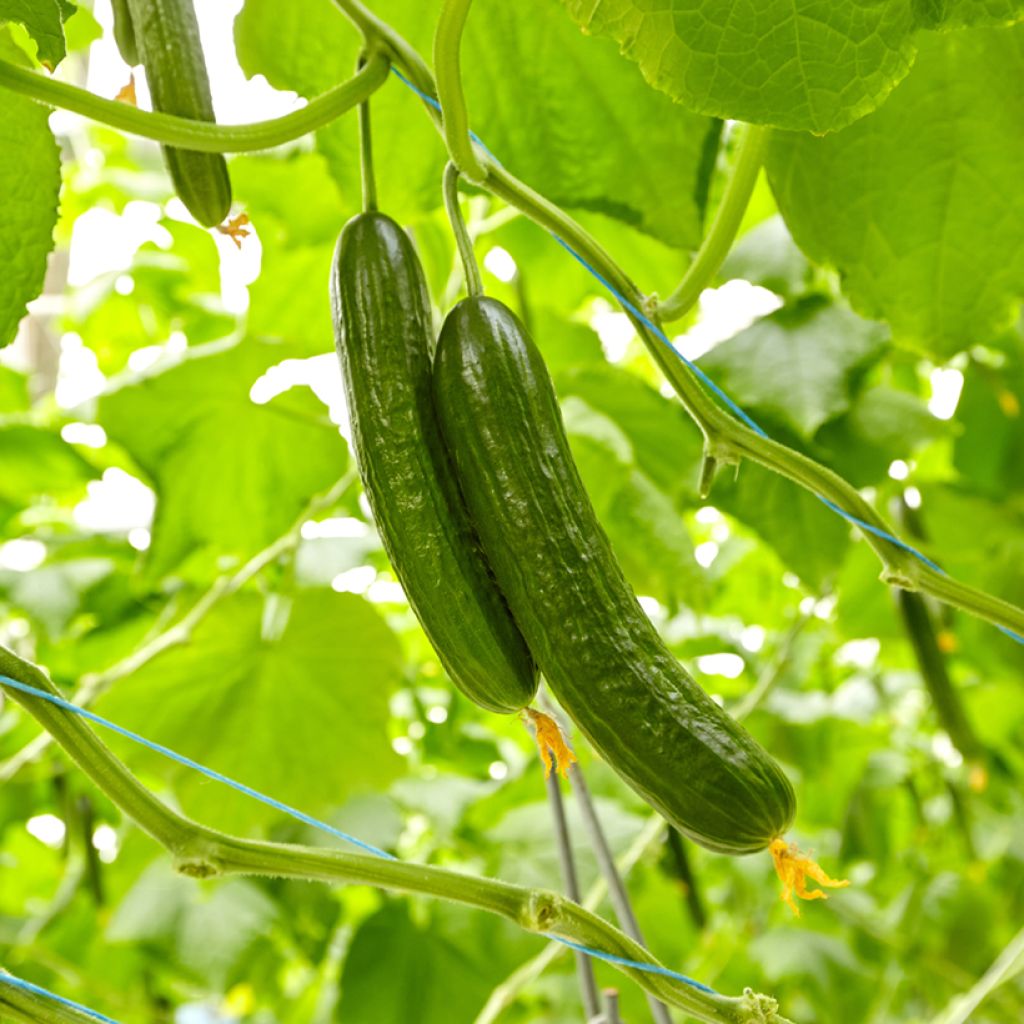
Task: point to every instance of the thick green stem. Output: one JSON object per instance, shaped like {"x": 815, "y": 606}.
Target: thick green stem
{"x": 722, "y": 233}
{"x": 474, "y": 286}
{"x": 366, "y": 153}
{"x": 203, "y": 852}
{"x": 21, "y": 1007}
{"x": 448, "y": 69}
{"x": 200, "y": 135}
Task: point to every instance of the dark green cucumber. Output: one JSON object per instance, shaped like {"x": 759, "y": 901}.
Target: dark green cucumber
{"x": 124, "y": 33}
{"x": 167, "y": 37}
{"x": 602, "y": 657}
{"x": 384, "y": 334}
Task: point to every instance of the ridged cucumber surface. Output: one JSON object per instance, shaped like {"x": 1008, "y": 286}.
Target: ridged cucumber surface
{"x": 604, "y": 660}
{"x": 167, "y": 37}
{"x": 384, "y": 336}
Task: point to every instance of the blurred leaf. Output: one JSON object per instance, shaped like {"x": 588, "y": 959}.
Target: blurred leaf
{"x": 767, "y": 256}
{"x": 223, "y": 466}
{"x": 808, "y": 537}
{"x": 805, "y": 65}
{"x": 29, "y": 186}
{"x": 435, "y": 971}
{"x": 35, "y": 461}
{"x": 910, "y": 203}
{"x": 301, "y": 716}
{"x": 796, "y": 363}
{"x": 14, "y": 396}
{"x": 44, "y": 21}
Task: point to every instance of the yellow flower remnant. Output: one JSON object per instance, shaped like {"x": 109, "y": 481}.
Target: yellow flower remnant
{"x": 554, "y": 751}
{"x": 793, "y": 868}
{"x": 236, "y": 229}
{"x": 127, "y": 93}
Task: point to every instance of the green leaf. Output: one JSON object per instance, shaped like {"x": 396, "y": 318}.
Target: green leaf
{"x": 435, "y": 971}
{"x": 35, "y": 461}
{"x": 916, "y": 204}
{"x": 301, "y": 716}
{"x": 797, "y": 363}
{"x": 29, "y": 186}
{"x": 230, "y": 475}
{"x": 945, "y": 14}
{"x": 14, "y": 396}
{"x": 573, "y": 94}
{"x": 808, "y": 537}
{"x": 800, "y": 64}
{"x": 44, "y": 22}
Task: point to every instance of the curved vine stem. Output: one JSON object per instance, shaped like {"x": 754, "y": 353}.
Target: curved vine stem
{"x": 199, "y": 135}
{"x": 366, "y": 151}
{"x": 454, "y": 115}
{"x": 474, "y": 285}
{"x": 203, "y": 852}
{"x": 722, "y": 233}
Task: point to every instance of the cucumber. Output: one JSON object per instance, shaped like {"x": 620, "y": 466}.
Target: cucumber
{"x": 167, "y": 37}
{"x": 124, "y": 33}
{"x": 384, "y": 336}
{"x": 592, "y": 641}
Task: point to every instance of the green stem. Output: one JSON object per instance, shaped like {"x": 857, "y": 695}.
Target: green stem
{"x": 366, "y": 152}
{"x": 474, "y": 285}
{"x": 722, "y": 233}
{"x": 203, "y": 852}
{"x": 200, "y": 135}
{"x": 21, "y": 1007}
{"x": 447, "y": 68}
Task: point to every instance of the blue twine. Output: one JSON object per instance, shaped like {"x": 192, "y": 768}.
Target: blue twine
{"x": 306, "y": 819}
{"x": 36, "y": 990}
{"x": 730, "y": 404}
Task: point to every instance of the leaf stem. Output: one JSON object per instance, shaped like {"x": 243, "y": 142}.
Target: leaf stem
{"x": 722, "y": 233}
{"x": 200, "y": 135}
{"x": 21, "y": 1006}
{"x": 203, "y": 852}
{"x": 448, "y": 69}
{"x": 366, "y": 151}
{"x": 474, "y": 285}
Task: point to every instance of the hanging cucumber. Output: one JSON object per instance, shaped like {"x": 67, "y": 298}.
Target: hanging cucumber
{"x": 167, "y": 37}
{"x": 384, "y": 333}
{"x": 605, "y": 662}
{"x": 124, "y": 33}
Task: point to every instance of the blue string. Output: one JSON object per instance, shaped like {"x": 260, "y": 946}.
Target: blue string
{"x": 27, "y": 986}
{"x": 730, "y": 404}
{"x": 303, "y": 817}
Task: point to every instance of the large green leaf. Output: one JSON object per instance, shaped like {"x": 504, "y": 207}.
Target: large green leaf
{"x": 919, "y": 205}
{"x": 300, "y": 714}
{"x": 36, "y": 461}
{"x": 805, "y": 64}
{"x": 43, "y": 20}
{"x": 796, "y": 364}
{"x": 571, "y": 95}
{"x": 230, "y": 475}
{"x": 29, "y": 186}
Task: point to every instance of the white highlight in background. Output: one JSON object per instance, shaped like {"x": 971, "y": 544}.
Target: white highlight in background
{"x": 116, "y": 502}
{"x": 47, "y": 828}
{"x": 500, "y": 263}
{"x": 947, "y": 384}
{"x": 725, "y": 664}
{"x": 22, "y": 555}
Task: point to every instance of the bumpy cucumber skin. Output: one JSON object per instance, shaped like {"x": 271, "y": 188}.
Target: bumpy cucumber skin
{"x": 602, "y": 657}
{"x": 124, "y": 33}
{"x": 167, "y": 37}
{"x": 384, "y": 333}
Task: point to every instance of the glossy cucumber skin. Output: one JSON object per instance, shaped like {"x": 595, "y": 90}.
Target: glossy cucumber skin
{"x": 602, "y": 657}
{"x": 167, "y": 38}
{"x": 384, "y": 335}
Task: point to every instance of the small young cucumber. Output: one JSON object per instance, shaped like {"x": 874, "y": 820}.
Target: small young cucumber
{"x": 167, "y": 38}
{"x": 384, "y": 336}
{"x": 124, "y": 33}
{"x": 602, "y": 657}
